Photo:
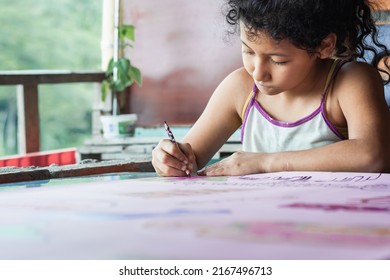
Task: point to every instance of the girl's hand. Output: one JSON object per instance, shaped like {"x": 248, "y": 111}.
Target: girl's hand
{"x": 239, "y": 163}
{"x": 171, "y": 159}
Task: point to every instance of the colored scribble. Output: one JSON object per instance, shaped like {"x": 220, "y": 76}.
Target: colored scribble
{"x": 293, "y": 233}
{"x": 105, "y": 216}
{"x": 338, "y": 207}
{"x": 372, "y": 204}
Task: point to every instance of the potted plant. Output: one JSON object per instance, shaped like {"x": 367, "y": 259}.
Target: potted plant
{"x": 119, "y": 75}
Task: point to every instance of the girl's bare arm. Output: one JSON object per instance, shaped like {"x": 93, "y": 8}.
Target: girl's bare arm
{"x": 218, "y": 122}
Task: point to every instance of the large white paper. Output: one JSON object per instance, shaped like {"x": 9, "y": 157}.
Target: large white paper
{"x": 288, "y": 215}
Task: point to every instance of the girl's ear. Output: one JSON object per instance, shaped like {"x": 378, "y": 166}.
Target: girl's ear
{"x": 327, "y": 46}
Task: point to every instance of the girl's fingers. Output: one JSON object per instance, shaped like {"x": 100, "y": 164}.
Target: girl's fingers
{"x": 172, "y": 161}
{"x": 174, "y": 150}
{"x": 215, "y": 169}
{"x": 169, "y": 160}
{"x": 169, "y": 172}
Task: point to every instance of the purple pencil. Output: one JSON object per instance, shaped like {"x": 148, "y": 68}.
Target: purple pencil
{"x": 169, "y": 132}
{"x": 173, "y": 140}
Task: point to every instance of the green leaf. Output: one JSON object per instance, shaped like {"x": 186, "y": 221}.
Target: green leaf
{"x": 127, "y": 31}
{"x": 105, "y": 88}
{"x": 110, "y": 67}
{"x": 122, "y": 80}
{"x": 135, "y": 74}
{"x": 123, "y": 65}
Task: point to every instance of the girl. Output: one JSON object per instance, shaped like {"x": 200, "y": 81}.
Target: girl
{"x": 303, "y": 100}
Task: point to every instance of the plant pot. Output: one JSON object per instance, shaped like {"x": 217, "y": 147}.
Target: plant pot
{"x": 119, "y": 125}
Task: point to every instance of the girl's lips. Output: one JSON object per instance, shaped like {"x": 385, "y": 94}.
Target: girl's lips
{"x": 261, "y": 85}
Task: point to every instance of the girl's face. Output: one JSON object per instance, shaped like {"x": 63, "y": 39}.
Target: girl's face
{"x": 276, "y": 66}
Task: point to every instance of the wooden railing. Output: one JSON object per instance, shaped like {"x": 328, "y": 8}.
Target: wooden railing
{"x": 27, "y": 90}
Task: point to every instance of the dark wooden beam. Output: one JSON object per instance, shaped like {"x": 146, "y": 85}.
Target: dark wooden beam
{"x": 24, "y": 174}
{"x": 28, "y": 116}
{"x": 49, "y": 77}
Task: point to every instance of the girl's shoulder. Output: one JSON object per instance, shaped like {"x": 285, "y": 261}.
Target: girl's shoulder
{"x": 238, "y": 83}
{"x": 357, "y": 74}
{"x": 355, "y": 83}
{"x": 240, "y": 78}
{"x": 237, "y": 86}
{"x": 357, "y": 80}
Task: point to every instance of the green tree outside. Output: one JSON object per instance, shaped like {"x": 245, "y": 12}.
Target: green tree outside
{"x": 44, "y": 34}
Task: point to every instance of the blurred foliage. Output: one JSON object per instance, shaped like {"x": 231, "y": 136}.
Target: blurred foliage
{"x": 44, "y": 34}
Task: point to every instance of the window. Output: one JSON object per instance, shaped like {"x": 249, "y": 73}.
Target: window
{"x": 45, "y": 34}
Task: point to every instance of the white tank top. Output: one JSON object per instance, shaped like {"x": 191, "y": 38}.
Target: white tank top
{"x": 261, "y": 133}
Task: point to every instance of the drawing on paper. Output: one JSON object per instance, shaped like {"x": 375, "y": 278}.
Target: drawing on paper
{"x": 293, "y": 233}
{"x": 373, "y": 204}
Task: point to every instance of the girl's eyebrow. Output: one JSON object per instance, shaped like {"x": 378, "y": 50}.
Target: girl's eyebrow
{"x": 270, "y": 54}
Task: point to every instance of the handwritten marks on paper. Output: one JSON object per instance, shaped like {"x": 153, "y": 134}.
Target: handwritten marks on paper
{"x": 374, "y": 181}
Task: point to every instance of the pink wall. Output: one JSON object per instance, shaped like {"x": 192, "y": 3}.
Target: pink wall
{"x": 182, "y": 51}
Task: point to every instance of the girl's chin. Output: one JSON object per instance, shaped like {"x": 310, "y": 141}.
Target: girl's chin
{"x": 268, "y": 90}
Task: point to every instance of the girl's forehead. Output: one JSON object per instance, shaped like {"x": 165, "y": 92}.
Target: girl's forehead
{"x": 255, "y": 36}
{"x": 262, "y": 38}
{"x": 263, "y": 42}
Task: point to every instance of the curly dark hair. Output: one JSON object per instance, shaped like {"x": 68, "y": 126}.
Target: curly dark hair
{"x": 305, "y": 23}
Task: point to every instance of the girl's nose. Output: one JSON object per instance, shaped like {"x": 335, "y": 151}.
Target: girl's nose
{"x": 260, "y": 72}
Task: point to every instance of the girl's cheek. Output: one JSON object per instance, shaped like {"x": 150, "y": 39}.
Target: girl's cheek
{"x": 248, "y": 65}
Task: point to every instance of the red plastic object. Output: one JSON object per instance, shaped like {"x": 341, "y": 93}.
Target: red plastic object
{"x": 59, "y": 157}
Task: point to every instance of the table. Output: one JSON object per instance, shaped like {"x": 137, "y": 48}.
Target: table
{"x": 286, "y": 215}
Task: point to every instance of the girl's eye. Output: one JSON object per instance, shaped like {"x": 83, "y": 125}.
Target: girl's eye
{"x": 248, "y": 52}
{"x": 278, "y": 62}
